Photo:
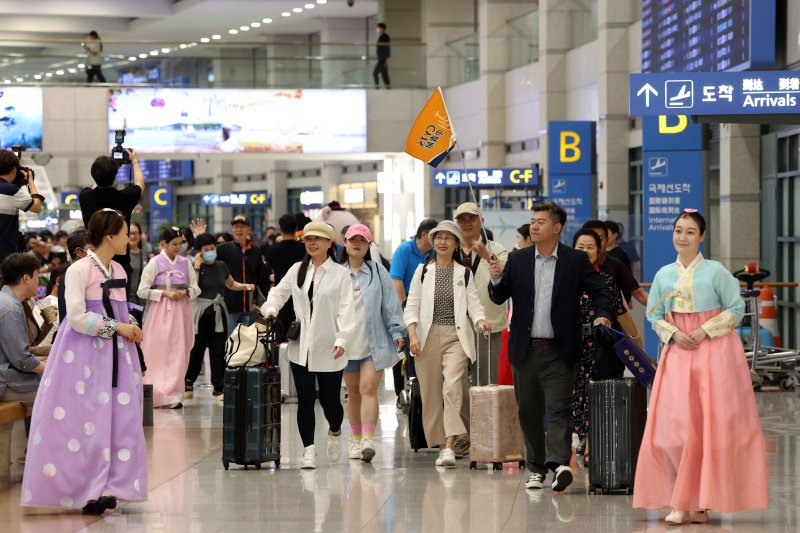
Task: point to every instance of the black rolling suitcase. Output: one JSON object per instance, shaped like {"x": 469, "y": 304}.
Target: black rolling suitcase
{"x": 251, "y": 413}
{"x": 416, "y": 433}
{"x": 617, "y": 416}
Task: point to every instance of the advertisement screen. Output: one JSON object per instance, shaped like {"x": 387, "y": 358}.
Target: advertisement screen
{"x": 308, "y": 121}
{"x": 21, "y": 117}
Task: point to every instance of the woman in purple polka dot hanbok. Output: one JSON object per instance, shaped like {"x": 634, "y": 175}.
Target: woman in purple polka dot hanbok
{"x": 86, "y": 447}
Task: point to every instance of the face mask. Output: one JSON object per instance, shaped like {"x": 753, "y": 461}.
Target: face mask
{"x": 184, "y": 247}
{"x": 210, "y": 256}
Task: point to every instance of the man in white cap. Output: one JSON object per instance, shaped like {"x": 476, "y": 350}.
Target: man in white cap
{"x": 476, "y": 253}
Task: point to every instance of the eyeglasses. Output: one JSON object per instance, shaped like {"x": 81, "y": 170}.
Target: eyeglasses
{"x": 443, "y": 238}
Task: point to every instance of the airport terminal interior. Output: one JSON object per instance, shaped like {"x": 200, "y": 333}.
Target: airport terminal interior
{"x": 219, "y": 149}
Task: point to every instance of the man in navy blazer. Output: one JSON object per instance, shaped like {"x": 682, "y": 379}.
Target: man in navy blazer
{"x": 545, "y": 283}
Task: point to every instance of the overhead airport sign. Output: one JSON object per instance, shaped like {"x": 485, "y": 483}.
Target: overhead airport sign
{"x": 487, "y": 177}
{"x": 715, "y": 93}
{"x": 232, "y": 199}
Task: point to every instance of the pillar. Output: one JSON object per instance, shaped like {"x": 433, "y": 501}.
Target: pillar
{"x": 614, "y": 20}
{"x": 739, "y": 195}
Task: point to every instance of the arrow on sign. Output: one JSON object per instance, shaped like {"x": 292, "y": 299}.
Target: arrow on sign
{"x": 647, "y": 89}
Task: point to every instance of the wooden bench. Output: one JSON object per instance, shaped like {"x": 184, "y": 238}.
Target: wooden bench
{"x": 10, "y": 412}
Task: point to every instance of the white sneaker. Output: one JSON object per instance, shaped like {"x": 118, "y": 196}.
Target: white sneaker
{"x": 334, "y": 447}
{"x": 309, "y": 460}
{"x": 562, "y": 479}
{"x": 367, "y": 450}
{"x": 447, "y": 458}
{"x": 355, "y": 450}
{"x": 535, "y": 481}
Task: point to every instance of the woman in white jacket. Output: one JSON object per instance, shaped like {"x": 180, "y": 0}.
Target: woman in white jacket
{"x": 322, "y": 295}
{"x": 441, "y": 295}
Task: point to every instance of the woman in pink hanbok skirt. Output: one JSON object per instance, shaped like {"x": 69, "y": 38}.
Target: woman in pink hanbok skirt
{"x": 168, "y": 284}
{"x": 703, "y": 448}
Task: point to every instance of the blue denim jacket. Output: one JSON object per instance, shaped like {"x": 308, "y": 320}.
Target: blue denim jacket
{"x": 384, "y": 320}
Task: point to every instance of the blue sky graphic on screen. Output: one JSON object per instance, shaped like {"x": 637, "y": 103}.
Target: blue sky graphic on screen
{"x": 21, "y": 117}
{"x": 310, "y": 121}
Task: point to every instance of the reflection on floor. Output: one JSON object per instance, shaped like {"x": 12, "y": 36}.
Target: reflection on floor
{"x": 401, "y": 491}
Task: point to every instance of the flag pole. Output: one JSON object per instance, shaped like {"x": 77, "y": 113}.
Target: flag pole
{"x": 474, "y": 199}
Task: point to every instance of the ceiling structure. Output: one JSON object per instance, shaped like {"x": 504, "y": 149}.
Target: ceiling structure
{"x": 50, "y": 38}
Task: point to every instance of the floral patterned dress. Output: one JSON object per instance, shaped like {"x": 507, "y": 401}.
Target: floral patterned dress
{"x": 583, "y": 373}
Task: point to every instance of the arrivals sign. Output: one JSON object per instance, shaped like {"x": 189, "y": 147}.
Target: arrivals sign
{"x": 487, "y": 177}
{"x": 715, "y": 93}
{"x": 672, "y": 181}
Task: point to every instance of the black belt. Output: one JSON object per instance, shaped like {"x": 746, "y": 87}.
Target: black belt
{"x": 538, "y": 343}
{"x": 107, "y": 286}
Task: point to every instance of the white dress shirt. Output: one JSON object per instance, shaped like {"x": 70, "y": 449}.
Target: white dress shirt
{"x": 333, "y": 321}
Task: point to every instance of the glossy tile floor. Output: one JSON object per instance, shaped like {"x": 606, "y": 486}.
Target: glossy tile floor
{"x": 401, "y": 491}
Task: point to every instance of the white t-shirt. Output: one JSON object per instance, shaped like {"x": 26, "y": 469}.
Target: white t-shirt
{"x": 359, "y": 344}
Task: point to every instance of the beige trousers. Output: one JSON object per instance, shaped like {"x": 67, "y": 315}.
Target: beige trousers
{"x": 440, "y": 370}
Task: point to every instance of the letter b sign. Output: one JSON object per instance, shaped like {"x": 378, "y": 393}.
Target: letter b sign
{"x": 570, "y": 150}
{"x": 569, "y": 147}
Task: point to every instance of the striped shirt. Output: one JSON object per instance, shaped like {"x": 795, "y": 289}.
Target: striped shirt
{"x": 544, "y": 279}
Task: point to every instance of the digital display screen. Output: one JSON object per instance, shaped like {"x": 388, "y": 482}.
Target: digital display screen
{"x": 156, "y": 170}
{"x": 707, "y": 36}
{"x": 21, "y": 117}
{"x": 309, "y": 121}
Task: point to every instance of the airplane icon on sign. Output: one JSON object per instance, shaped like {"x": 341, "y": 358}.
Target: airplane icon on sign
{"x": 679, "y": 94}
{"x": 657, "y": 166}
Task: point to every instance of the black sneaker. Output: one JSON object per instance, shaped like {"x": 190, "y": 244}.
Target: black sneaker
{"x": 562, "y": 478}
{"x": 218, "y": 394}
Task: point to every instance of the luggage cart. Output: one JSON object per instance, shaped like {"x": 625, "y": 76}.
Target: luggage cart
{"x": 767, "y": 363}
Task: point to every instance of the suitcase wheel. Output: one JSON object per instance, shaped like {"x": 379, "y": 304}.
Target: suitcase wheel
{"x": 277, "y": 463}
{"x": 522, "y": 464}
{"x": 629, "y": 491}
{"x": 258, "y": 466}
{"x": 498, "y": 466}
{"x": 473, "y": 465}
{"x": 226, "y": 464}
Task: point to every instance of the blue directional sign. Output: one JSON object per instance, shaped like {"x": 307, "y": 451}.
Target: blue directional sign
{"x": 242, "y": 198}
{"x": 715, "y": 93}
{"x": 160, "y": 207}
{"x": 574, "y": 194}
{"x": 487, "y": 177}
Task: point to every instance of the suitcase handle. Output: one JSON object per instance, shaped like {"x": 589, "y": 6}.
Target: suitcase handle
{"x": 488, "y": 336}
{"x": 249, "y": 418}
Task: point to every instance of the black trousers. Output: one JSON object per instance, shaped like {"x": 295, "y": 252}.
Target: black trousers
{"x": 382, "y": 69}
{"x": 306, "y": 384}
{"x": 545, "y": 382}
{"x": 206, "y": 337}
{"x": 92, "y": 71}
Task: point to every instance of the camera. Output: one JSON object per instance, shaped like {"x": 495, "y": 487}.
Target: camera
{"x": 118, "y": 153}
{"x": 20, "y": 179}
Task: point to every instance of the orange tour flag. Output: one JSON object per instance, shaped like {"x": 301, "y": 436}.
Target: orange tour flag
{"x": 432, "y": 136}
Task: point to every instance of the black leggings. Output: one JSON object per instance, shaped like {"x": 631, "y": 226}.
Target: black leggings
{"x": 330, "y": 384}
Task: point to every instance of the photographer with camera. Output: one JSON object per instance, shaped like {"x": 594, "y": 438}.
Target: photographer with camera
{"x": 104, "y": 194}
{"x": 17, "y": 193}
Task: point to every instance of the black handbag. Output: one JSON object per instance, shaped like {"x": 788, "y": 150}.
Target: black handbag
{"x": 607, "y": 364}
{"x": 293, "y": 332}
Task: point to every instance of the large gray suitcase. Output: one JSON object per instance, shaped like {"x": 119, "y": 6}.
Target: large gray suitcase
{"x": 617, "y": 416}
